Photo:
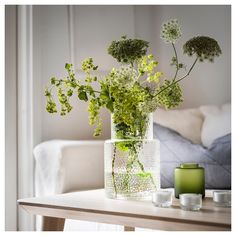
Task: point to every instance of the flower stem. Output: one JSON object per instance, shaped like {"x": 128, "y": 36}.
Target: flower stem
{"x": 178, "y": 80}
{"x": 188, "y": 71}
{"x": 177, "y": 62}
{"x": 113, "y": 171}
{"x": 143, "y": 170}
{"x": 140, "y": 165}
{"x": 63, "y": 81}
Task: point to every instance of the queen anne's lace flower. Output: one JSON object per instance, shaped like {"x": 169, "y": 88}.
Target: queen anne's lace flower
{"x": 171, "y": 31}
{"x": 205, "y": 48}
{"x": 127, "y": 51}
{"x": 125, "y": 76}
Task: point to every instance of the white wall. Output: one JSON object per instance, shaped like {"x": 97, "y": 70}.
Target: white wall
{"x": 209, "y": 83}
{"x": 11, "y": 121}
{"x": 67, "y": 34}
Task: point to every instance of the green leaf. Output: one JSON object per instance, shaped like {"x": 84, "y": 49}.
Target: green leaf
{"x": 67, "y": 66}
{"x": 47, "y": 93}
{"x": 83, "y": 96}
{"x": 58, "y": 83}
{"x": 81, "y": 88}
{"x": 145, "y": 174}
{"x": 53, "y": 80}
{"x": 69, "y": 93}
{"x": 104, "y": 95}
{"x": 109, "y": 106}
{"x": 104, "y": 91}
{"x": 122, "y": 146}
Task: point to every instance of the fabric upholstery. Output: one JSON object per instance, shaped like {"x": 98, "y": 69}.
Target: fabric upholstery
{"x": 217, "y": 123}
{"x": 176, "y": 149}
{"x": 187, "y": 122}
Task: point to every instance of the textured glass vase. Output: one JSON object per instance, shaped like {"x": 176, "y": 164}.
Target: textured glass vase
{"x": 132, "y": 165}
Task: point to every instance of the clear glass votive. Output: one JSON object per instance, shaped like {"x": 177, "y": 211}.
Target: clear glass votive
{"x": 162, "y": 198}
{"x": 190, "y": 201}
{"x": 222, "y": 198}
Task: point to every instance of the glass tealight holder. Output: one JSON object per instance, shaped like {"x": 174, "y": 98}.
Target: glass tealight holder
{"x": 190, "y": 201}
{"x": 162, "y": 198}
{"x": 222, "y": 198}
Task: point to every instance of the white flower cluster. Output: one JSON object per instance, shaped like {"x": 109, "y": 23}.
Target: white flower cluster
{"x": 125, "y": 76}
{"x": 171, "y": 31}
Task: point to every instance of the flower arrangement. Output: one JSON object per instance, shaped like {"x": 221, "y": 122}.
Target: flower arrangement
{"x": 130, "y": 93}
{"x": 135, "y": 89}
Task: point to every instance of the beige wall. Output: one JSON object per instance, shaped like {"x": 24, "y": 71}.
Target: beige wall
{"x": 93, "y": 27}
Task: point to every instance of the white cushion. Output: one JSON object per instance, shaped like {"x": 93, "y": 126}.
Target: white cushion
{"x": 217, "y": 123}
{"x": 187, "y": 122}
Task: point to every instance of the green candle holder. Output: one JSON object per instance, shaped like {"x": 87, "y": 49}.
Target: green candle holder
{"x": 189, "y": 178}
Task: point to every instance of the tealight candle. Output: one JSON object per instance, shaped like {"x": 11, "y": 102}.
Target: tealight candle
{"x": 190, "y": 201}
{"x": 222, "y": 198}
{"x": 162, "y": 198}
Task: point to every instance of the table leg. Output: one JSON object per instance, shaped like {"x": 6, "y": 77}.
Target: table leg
{"x": 129, "y": 228}
{"x": 52, "y": 224}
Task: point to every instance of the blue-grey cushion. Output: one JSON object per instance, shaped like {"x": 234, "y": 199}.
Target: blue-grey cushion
{"x": 176, "y": 149}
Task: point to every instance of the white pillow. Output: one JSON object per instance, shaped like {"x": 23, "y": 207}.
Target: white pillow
{"x": 187, "y": 122}
{"x": 217, "y": 123}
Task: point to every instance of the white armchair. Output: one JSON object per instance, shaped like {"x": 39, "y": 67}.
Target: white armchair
{"x": 64, "y": 166}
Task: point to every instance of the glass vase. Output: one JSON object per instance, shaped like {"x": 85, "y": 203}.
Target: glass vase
{"x": 136, "y": 134}
{"x": 132, "y": 164}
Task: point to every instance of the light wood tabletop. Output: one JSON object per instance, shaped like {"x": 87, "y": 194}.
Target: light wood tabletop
{"x": 93, "y": 205}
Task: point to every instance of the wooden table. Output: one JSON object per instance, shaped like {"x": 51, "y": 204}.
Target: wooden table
{"x": 93, "y": 206}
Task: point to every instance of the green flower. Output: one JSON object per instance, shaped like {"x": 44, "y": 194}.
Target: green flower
{"x": 171, "y": 95}
{"x": 171, "y": 31}
{"x": 128, "y": 50}
{"x": 205, "y": 48}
